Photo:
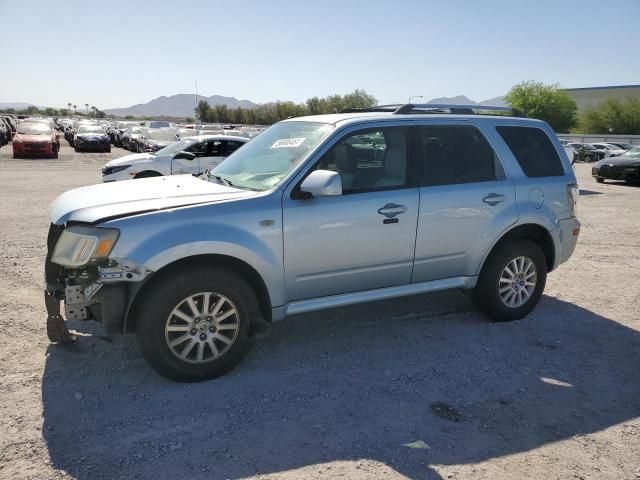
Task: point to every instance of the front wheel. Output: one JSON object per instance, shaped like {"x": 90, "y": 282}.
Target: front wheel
{"x": 512, "y": 281}
{"x": 196, "y": 325}
{"x": 599, "y": 180}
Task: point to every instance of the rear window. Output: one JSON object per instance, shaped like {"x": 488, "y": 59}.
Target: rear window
{"x": 533, "y": 150}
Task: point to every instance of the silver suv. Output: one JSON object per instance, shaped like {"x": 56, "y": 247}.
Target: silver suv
{"x": 315, "y": 212}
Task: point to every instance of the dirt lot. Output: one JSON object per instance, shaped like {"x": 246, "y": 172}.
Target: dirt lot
{"x": 348, "y": 393}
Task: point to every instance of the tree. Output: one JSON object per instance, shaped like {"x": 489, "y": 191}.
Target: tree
{"x": 613, "y": 116}
{"x": 544, "y": 102}
{"x": 75, "y": 108}
{"x": 86, "y": 105}
{"x": 69, "y": 105}
{"x": 203, "y": 111}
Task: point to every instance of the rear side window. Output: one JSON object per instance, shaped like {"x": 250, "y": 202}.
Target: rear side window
{"x": 455, "y": 154}
{"x": 533, "y": 150}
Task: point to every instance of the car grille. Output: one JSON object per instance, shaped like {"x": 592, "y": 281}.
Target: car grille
{"x": 35, "y": 147}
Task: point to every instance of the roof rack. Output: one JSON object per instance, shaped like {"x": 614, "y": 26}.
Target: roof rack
{"x": 427, "y": 108}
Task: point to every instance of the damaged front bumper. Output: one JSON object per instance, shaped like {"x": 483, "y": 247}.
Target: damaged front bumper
{"x": 100, "y": 293}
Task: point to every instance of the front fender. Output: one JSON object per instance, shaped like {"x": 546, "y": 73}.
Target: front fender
{"x": 232, "y": 229}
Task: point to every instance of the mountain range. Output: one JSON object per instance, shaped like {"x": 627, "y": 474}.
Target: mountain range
{"x": 181, "y": 105}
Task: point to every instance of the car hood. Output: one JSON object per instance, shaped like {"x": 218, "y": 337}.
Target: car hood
{"x": 119, "y": 199}
{"x": 131, "y": 159}
{"x": 619, "y": 161}
{"x": 92, "y": 135}
{"x": 33, "y": 138}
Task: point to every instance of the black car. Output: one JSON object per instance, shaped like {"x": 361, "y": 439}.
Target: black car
{"x": 587, "y": 153}
{"x": 624, "y": 167}
{"x": 91, "y": 137}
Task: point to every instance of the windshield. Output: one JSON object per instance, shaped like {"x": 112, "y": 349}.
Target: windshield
{"x": 269, "y": 157}
{"x": 175, "y": 147}
{"x": 90, "y": 130}
{"x": 161, "y": 135}
{"x": 158, "y": 124}
{"x": 633, "y": 153}
{"x": 34, "y": 129}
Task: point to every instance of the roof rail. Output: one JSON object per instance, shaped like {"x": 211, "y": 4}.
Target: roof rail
{"x": 428, "y": 108}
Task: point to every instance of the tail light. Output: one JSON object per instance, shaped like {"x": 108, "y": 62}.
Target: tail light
{"x": 572, "y": 195}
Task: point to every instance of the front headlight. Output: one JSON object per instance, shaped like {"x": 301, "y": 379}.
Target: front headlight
{"x": 80, "y": 245}
{"x": 110, "y": 170}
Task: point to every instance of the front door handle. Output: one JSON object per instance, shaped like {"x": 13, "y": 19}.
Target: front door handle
{"x": 390, "y": 210}
{"x": 494, "y": 199}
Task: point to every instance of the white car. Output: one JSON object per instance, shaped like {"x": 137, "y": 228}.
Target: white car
{"x": 609, "y": 149}
{"x": 192, "y": 155}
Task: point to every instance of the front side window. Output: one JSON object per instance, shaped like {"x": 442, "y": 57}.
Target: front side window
{"x": 369, "y": 160}
{"x": 230, "y": 146}
{"x": 455, "y": 154}
{"x": 533, "y": 150}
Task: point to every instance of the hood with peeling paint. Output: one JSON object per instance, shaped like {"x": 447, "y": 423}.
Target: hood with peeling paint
{"x": 93, "y": 203}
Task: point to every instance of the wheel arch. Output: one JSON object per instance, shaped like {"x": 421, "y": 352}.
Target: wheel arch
{"x": 242, "y": 268}
{"x": 535, "y": 232}
{"x": 148, "y": 173}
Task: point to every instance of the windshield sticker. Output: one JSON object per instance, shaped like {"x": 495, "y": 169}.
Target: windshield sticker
{"x": 288, "y": 143}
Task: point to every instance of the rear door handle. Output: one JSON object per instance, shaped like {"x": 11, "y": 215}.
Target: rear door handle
{"x": 494, "y": 199}
{"x": 390, "y": 210}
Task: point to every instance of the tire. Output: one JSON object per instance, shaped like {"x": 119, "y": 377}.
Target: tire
{"x": 55, "y": 153}
{"x": 76, "y": 149}
{"x": 486, "y": 294}
{"x": 167, "y": 297}
{"x": 599, "y": 180}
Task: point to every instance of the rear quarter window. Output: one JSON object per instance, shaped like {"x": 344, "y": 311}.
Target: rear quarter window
{"x": 533, "y": 150}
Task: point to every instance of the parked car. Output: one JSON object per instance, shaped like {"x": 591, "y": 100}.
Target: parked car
{"x": 624, "y": 167}
{"x": 623, "y": 146}
{"x": 153, "y": 139}
{"x": 91, "y": 138}
{"x": 609, "y": 149}
{"x": 13, "y": 124}
{"x": 119, "y": 130}
{"x": 187, "y": 132}
{"x": 190, "y": 155}
{"x": 309, "y": 216}
{"x": 158, "y": 124}
{"x": 5, "y": 132}
{"x": 34, "y": 140}
{"x": 587, "y": 153}
{"x": 130, "y": 138}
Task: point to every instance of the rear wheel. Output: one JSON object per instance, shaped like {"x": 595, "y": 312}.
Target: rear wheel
{"x": 196, "y": 326}
{"x": 512, "y": 281}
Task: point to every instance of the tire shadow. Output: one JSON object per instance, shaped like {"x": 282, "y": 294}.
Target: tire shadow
{"x": 377, "y": 381}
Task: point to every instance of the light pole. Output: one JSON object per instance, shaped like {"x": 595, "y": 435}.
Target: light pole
{"x": 414, "y": 96}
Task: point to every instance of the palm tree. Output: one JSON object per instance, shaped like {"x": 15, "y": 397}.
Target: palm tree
{"x": 75, "y": 109}
{"x": 69, "y": 105}
{"x": 95, "y": 111}
{"x": 86, "y": 105}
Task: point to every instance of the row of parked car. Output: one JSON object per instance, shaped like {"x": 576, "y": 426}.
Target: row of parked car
{"x": 139, "y": 137}
{"x": 592, "y": 152}
{"x": 8, "y": 126}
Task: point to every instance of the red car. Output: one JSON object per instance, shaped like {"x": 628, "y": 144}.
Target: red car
{"x": 35, "y": 139}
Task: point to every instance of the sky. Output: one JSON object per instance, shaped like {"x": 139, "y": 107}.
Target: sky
{"x": 118, "y": 53}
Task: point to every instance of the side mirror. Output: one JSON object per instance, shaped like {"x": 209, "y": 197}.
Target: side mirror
{"x": 322, "y": 183}
{"x": 184, "y": 156}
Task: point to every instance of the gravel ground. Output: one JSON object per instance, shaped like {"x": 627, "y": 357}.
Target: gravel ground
{"x": 422, "y": 387}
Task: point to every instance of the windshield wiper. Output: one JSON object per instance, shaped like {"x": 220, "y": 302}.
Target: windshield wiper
{"x": 222, "y": 180}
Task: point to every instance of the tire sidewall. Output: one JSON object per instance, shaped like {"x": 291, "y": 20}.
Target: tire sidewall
{"x": 165, "y": 296}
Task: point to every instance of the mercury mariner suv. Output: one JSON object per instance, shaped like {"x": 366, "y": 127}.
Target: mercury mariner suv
{"x": 316, "y": 212}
